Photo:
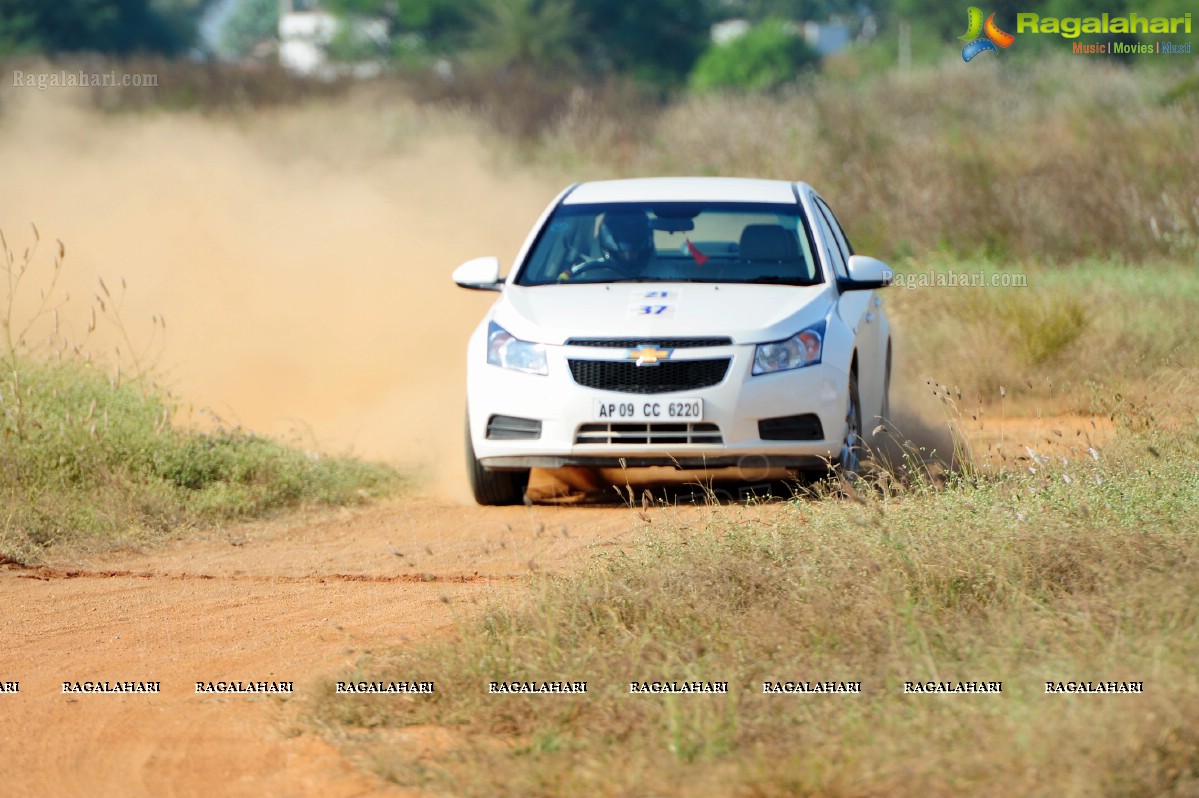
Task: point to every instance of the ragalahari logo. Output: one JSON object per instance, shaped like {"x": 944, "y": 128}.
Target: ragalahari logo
{"x": 991, "y": 37}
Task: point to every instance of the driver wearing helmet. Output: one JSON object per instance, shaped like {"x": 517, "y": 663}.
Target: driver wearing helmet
{"x": 627, "y": 241}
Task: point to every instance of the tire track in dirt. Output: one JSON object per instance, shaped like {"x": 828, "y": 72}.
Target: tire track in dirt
{"x": 46, "y": 573}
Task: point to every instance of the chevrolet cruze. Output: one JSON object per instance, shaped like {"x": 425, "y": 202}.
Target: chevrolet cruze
{"x": 697, "y": 323}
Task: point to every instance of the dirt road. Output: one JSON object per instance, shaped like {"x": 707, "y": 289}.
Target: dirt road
{"x": 292, "y": 600}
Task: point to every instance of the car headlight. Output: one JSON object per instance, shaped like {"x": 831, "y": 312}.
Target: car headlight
{"x": 802, "y": 349}
{"x": 506, "y": 351}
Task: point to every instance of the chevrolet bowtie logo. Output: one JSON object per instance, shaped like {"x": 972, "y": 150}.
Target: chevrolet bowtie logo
{"x": 648, "y": 355}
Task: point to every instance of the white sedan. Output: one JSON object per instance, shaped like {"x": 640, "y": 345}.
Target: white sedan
{"x": 697, "y": 323}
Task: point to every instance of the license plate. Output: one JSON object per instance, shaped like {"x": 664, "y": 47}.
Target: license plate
{"x": 649, "y": 410}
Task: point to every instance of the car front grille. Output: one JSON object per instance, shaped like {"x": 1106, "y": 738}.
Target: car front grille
{"x": 624, "y": 376}
{"x": 650, "y": 434}
{"x": 661, "y": 343}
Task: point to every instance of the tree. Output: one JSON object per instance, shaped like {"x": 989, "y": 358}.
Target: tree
{"x": 433, "y": 26}
{"x": 538, "y": 34}
{"x": 250, "y": 23}
{"x": 656, "y": 40}
{"x": 765, "y": 57}
{"x": 800, "y": 10}
{"x": 118, "y": 27}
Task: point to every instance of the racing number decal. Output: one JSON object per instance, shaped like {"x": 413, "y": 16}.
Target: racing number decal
{"x": 660, "y": 303}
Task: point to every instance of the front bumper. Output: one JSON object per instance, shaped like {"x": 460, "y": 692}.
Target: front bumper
{"x": 733, "y": 408}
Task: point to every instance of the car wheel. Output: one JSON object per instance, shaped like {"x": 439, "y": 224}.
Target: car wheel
{"x": 493, "y": 488}
{"x": 850, "y": 461}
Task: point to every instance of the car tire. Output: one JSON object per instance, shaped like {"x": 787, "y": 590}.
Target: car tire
{"x": 849, "y": 463}
{"x": 493, "y": 488}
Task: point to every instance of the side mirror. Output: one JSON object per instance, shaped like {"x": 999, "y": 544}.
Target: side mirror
{"x": 480, "y": 274}
{"x": 866, "y": 274}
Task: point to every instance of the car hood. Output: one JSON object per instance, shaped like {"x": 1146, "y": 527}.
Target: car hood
{"x": 746, "y": 313}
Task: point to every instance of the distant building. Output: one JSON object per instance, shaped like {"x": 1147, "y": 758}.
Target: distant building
{"x": 729, "y": 29}
{"x": 305, "y": 32}
{"x": 827, "y": 38}
{"x": 824, "y": 37}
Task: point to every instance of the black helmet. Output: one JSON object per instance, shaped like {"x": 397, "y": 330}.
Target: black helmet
{"x": 626, "y": 237}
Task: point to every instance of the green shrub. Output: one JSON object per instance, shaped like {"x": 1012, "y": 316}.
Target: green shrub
{"x": 87, "y": 460}
{"x": 765, "y": 57}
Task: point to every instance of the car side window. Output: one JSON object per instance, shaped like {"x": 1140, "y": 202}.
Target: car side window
{"x": 838, "y": 231}
{"x": 830, "y": 244}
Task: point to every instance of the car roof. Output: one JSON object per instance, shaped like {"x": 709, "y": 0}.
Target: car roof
{"x": 683, "y": 189}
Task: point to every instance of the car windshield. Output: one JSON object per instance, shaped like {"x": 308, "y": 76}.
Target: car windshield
{"x": 704, "y": 242}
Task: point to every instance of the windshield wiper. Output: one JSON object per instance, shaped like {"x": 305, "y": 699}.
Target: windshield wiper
{"x": 777, "y": 280}
{"x": 662, "y": 280}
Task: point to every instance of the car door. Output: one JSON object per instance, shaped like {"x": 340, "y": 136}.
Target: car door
{"x": 861, "y": 311}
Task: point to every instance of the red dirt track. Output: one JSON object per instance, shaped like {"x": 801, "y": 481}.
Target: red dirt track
{"x": 292, "y": 600}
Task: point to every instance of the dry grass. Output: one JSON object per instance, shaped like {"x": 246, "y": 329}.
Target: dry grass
{"x": 1074, "y": 337}
{"x": 1060, "y": 159}
{"x": 1056, "y": 159}
{"x": 1081, "y": 571}
{"x": 207, "y": 87}
{"x": 1068, "y": 561}
{"x": 1075, "y": 563}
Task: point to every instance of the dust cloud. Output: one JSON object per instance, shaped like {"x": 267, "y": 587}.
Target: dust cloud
{"x": 300, "y": 258}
